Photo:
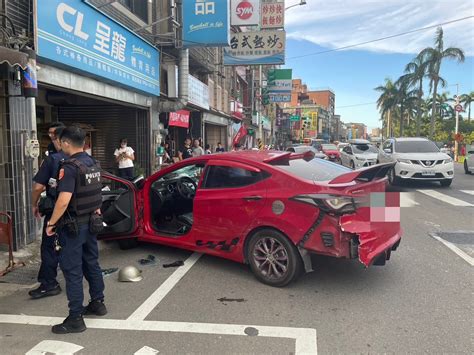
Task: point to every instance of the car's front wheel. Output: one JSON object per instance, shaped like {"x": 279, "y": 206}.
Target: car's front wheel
{"x": 352, "y": 165}
{"x": 446, "y": 183}
{"x": 393, "y": 179}
{"x": 466, "y": 170}
{"x": 273, "y": 258}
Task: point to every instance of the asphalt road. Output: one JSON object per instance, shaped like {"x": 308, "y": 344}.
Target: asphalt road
{"x": 420, "y": 302}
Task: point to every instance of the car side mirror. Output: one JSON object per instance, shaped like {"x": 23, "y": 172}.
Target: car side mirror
{"x": 388, "y": 151}
{"x": 470, "y": 152}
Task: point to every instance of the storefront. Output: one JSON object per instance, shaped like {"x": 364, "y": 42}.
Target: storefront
{"x": 216, "y": 129}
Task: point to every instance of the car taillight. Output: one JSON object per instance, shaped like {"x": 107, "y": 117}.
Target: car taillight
{"x": 329, "y": 203}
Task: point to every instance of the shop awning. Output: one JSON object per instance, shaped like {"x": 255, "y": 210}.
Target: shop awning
{"x": 13, "y": 57}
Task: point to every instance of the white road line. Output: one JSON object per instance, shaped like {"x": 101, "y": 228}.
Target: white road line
{"x": 407, "y": 199}
{"x": 459, "y": 252}
{"x": 156, "y": 297}
{"x": 305, "y": 338}
{"x": 445, "y": 198}
{"x": 470, "y": 192}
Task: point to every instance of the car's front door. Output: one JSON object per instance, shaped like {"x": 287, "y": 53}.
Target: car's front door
{"x": 346, "y": 155}
{"x": 119, "y": 207}
{"x": 230, "y": 196}
{"x": 386, "y": 152}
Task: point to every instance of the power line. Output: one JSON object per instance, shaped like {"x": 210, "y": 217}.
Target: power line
{"x": 382, "y": 38}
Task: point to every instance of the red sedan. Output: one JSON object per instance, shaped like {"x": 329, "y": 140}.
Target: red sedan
{"x": 265, "y": 208}
{"x": 331, "y": 151}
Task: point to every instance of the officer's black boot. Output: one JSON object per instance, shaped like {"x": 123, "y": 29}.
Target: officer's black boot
{"x": 70, "y": 325}
{"x": 42, "y": 291}
{"x": 96, "y": 307}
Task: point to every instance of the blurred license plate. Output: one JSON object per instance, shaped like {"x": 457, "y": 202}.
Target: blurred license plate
{"x": 428, "y": 173}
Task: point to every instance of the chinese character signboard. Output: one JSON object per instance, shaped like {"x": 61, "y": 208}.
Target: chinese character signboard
{"x": 245, "y": 12}
{"x": 198, "y": 93}
{"x": 74, "y": 34}
{"x": 279, "y": 85}
{"x": 251, "y": 48}
{"x": 272, "y": 14}
{"x": 179, "y": 119}
{"x": 206, "y": 23}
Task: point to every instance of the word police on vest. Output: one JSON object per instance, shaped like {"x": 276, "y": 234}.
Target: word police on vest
{"x": 92, "y": 178}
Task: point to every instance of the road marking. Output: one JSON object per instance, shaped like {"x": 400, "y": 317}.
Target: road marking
{"x": 146, "y": 350}
{"x": 459, "y": 252}
{"x": 54, "y": 347}
{"x": 305, "y": 338}
{"x": 445, "y": 198}
{"x": 156, "y": 297}
{"x": 470, "y": 192}
{"x": 407, "y": 199}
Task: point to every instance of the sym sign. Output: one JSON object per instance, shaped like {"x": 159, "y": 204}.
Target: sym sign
{"x": 245, "y": 12}
{"x": 73, "y": 34}
{"x": 206, "y": 23}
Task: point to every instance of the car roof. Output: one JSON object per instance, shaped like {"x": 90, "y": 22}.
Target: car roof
{"x": 359, "y": 141}
{"x": 411, "y": 139}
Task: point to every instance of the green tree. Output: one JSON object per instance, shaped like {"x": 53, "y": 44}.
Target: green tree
{"x": 415, "y": 72}
{"x": 386, "y": 103}
{"x": 466, "y": 100}
{"x": 434, "y": 56}
{"x": 404, "y": 99}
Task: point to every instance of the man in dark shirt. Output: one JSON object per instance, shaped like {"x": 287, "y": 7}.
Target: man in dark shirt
{"x": 79, "y": 253}
{"x": 187, "y": 152}
{"x": 220, "y": 148}
{"x": 53, "y": 135}
{"x": 45, "y": 179}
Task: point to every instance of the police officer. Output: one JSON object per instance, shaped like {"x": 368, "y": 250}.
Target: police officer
{"x": 79, "y": 199}
{"x": 45, "y": 179}
{"x": 53, "y": 135}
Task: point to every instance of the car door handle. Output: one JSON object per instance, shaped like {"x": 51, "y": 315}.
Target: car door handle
{"x": 252, "y": 198}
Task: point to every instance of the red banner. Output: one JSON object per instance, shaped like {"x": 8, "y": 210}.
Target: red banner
{"x": 179, "y": 119}
{"x": 240, "y": 134}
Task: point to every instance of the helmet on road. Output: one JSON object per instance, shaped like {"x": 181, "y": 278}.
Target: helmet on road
{"x": 130, "y": 274}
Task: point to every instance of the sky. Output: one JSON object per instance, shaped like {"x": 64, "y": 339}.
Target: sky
{"x": 354, "y": 73}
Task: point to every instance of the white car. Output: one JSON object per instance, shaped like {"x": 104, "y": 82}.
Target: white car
{"x": 469, "y": 162}
{"x": 359, "y": 153}
{"x": 416, "y": 159}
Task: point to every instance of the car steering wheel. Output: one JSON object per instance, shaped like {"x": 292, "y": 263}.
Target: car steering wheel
{"x": 186, "y": 187}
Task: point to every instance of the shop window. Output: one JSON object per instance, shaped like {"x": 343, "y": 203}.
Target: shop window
{"x": 137, "y": 7}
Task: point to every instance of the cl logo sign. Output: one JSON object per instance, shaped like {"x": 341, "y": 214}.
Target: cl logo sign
{"x": 77, "y": 28}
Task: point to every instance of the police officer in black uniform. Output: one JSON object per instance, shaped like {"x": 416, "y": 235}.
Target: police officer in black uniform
{"x": 78, "y": 204}
{"x": 53, "y": 134}
{"x": 45, "y": 179}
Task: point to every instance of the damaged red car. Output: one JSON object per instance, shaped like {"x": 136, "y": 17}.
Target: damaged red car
{"x": 268, "y": 209}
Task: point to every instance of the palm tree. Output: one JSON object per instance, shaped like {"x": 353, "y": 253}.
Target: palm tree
{"x": 434, "y": 57}
{"x": 415, "y": 72}
{"x": 467, "y": 99}
{"x": 386, "y": 102}
{"x": 403, "y": 98}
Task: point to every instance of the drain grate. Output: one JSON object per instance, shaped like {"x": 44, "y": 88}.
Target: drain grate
{"x": 25, "y": 275}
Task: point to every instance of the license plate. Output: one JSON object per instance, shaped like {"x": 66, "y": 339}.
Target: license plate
{"x": 428, "y": 173}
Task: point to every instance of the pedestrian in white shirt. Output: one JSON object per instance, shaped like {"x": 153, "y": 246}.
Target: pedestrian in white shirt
{"x": 124, "y": 156}
{"x": 197, "y": 149}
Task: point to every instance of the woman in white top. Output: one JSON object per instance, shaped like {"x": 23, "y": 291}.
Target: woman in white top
{"x": 124, "y": 156}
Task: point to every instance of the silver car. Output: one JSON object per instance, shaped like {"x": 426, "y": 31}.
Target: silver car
{"x": 358, "y": 154}
{"x": 469, "y": 161}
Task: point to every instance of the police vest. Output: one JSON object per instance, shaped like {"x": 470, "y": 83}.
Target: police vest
{"x": 87, "y": 196}
{"x": 51, "y": 188}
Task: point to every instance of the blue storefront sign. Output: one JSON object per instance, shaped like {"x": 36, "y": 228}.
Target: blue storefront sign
{"x": 74, "y": 34}
{"x": 206, "y": 23}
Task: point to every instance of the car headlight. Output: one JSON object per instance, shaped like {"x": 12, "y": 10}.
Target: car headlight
{"x": 446, "y": 161}
{"x": 405, "y": 161}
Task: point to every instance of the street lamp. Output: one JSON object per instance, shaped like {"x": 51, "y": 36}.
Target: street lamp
{"x": 302, "y": 2}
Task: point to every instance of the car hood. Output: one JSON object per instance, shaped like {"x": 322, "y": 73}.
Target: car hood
{"x": 422, "y": 156}
{"x": 366, "y": 155}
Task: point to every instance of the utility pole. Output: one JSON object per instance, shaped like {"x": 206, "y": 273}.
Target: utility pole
{"x": 456, "y": 130}
{"x": 260, "y": 106}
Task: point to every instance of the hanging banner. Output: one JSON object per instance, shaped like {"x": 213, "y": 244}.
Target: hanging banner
{"x": 206, "y": 23}
{"x": 245, "y": 12}
{"x": 272, "y": 14}
{"x": 240, "y": 134}
{"x": 179, "y": 119}
{"x": 74, "y": 34}
{"x": 253, "y": 48}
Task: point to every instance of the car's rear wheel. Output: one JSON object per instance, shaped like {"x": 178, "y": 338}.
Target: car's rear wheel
{"x": 273, "y": 258}
{"x": 466, "y": 170}
{"x": 352, "y": 165}
{"x": 393, "y": 179}
{"x": 446, "y": 183}
{"x": 125, "y": 244}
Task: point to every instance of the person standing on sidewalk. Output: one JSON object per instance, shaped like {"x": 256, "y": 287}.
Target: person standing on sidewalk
{"x": 45, "y": 179}
{"x": 125, "y": 155}
{"x": 53, "y": 135}
{"x": 75, "y": 211}
{"x": 197, "y": 149}
{"x": 187, "y": 151}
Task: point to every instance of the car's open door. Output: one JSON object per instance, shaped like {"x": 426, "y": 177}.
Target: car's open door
{"x": 119, "y": 207}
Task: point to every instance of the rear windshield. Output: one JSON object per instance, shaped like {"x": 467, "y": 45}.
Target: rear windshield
{"x": 315, "y": 170}
{"x": 364, "y": 148}
{"x": 329, "y": 147}
{"x": 416, "y": 147}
